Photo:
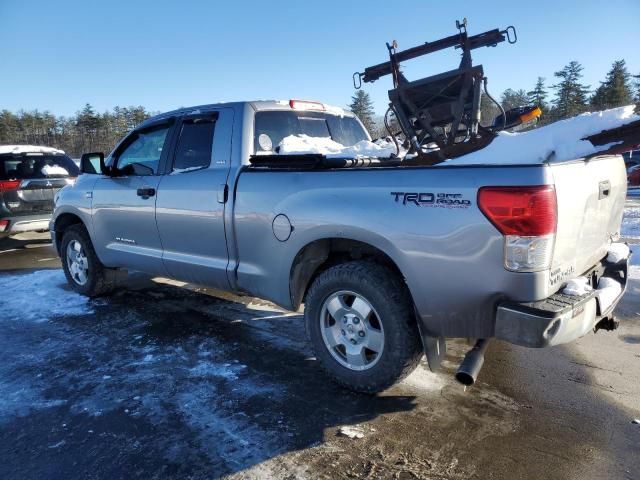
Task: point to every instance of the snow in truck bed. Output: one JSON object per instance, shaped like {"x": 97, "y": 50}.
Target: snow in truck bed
{"x": 557, "y": 142}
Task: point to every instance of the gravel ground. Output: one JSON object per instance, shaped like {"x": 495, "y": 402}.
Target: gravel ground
{"x": 167, "y": 380}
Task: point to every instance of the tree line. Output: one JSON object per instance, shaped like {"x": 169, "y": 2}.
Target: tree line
{"x": 571, "y": 97}
{"x": 86, "y": 131}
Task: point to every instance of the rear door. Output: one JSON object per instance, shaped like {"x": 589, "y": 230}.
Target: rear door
{"x": 192, "y": 197}
{"x": 123, "y": 208}
{"x": 591, "y": 196}
{"x": 29, "y": 181}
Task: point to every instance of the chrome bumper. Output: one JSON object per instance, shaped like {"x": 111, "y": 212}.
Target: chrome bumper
{"x": 560, "y": 318}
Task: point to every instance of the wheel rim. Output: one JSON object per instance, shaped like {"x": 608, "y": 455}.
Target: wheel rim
{"x": 77, "y": 262}
{"x": 351, "y": 330}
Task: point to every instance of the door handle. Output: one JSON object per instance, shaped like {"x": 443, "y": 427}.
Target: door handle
{"x": 604, "y": 189}
{"x": 146, "y": 192}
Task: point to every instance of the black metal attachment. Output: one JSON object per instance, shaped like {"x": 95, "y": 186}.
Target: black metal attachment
{"x": 440, "y": 113}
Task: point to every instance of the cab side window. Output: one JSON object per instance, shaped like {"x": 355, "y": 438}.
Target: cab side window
{"x": 194, "y": 147}
{"x": 142, "y": 155}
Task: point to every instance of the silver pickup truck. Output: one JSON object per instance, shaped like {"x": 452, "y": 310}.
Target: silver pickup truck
{"x": 388, "y": 259}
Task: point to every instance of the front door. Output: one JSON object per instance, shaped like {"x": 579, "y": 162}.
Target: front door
{"x": 125, "y": 231}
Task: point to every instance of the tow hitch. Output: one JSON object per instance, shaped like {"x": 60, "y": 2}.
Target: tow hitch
{"x": 607, "y": 323}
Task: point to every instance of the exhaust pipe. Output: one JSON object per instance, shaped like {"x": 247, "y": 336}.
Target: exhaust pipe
{"x": 470, "y": 367}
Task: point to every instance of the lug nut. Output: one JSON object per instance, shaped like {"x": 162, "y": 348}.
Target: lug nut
{"x": 344, "y": 319}
{"x": 361, "y": 333}
{"x": 343, "y": 333}
{"x": 356, "y": 320}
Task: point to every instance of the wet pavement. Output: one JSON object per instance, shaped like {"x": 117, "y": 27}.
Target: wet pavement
{"x": 168, "y": 380}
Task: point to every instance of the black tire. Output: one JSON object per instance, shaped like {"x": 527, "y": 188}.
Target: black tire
{"x": 393, "y": 308}
{"x": 99, "y": 280}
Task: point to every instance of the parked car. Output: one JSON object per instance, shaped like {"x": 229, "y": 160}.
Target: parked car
{"x": 389, "y": 259}
{"x": 631, "y": 159}
{"x": 633, "y": 176}
{"x": 30, "y": 176}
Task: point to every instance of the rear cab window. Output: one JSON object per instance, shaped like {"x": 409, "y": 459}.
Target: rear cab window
{"x": 31, "y": 166}
{"x": 272, "y": 126}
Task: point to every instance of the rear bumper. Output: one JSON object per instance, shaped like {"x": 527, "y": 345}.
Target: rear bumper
{"x": 560, "y": 318}
{"x": 21, "y": 224}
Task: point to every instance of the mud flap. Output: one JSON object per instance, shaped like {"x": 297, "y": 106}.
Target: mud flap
{"x": 435, "y": 348}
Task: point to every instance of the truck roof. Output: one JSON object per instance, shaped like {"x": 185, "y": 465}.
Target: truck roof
{"x": 256, "y": 105}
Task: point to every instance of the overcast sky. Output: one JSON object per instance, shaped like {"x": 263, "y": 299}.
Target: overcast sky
{"x": 58, "y": 55}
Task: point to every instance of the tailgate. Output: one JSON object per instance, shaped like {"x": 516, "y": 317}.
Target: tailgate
{"x": 32, "y": 179}
{"x": 591, "y": 196}
{"x": 33, "y": 196}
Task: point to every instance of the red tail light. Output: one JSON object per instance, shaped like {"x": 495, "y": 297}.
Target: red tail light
{"x": 7, "y": 185}
{"x": 523, "y": 211}
{"x": 3, "y": 225}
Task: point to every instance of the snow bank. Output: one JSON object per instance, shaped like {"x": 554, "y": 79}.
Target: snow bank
{"x": 53, "y": 170}
{"x": 304, "y": 144}
{"x": 40, "y": 295}
{"x": 631, "y": 223}
{"x": 559, "y": 141}
{"x": 28, "y": 149}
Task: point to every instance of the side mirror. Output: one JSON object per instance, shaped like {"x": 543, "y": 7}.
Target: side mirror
{"x": 92, "y": 163}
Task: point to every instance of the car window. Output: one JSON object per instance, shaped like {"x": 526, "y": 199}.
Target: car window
{"x": 272, "y": 126}
{"x": 36, "y": 165}
{"x": 194, "y": 145}
{"x": 142, "y": 155}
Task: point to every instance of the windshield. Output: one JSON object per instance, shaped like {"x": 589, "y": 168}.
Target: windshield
{"x": 36, "y": 165}
{"x": 272, "y": 126}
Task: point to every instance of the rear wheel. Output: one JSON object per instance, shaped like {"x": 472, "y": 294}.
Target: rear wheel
{"x": 361, "y": 323}
{"x": 84, "y": 271}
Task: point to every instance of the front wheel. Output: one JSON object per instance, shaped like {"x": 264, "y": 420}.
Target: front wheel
{"x": 84, "y": 271}
{"x": 362, "y": 326}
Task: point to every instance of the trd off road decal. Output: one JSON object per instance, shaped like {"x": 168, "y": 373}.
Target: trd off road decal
{"x": 438, "y": 200}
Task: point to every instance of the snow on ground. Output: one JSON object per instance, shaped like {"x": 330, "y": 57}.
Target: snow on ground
{"x": 631, "y": 223}
{"x": 138, "y": 361}
{"x": 39, "y": 296}
{"x": 558, "y": 141}
{"x": 304, "y": 144}
{"x": 28, "y": 149}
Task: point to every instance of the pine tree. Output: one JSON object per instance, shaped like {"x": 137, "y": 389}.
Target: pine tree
{"x": 637, "y": 97}
{"x": 616, "y": 90}
{"x": 538, "y": 96}
{"x": 571, "y": 95}
{"x": 362, "y": 106}
{"x": 514, "y": 98}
